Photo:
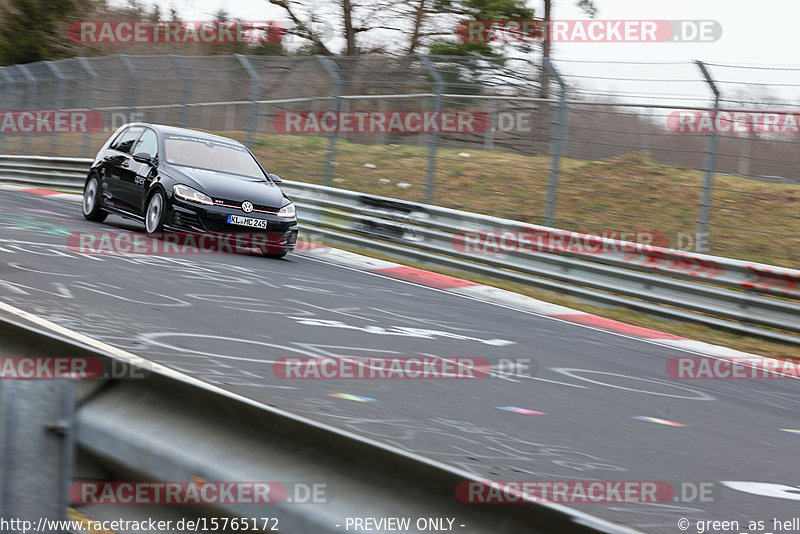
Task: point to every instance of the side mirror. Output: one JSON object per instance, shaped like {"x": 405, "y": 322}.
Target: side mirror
{"x": 275, "y": 178}
{"x": 143, "y": 157}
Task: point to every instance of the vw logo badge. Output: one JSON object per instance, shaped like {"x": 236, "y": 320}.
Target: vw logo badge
{"x": 247, "y": 206}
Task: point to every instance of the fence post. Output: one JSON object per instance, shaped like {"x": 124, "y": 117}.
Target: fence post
{"x": 59, "y": 99}
{"x": 186, "y": 89}
{"x": 336, "y": 93}
{"x": 7, "y": 81}
{"x": 230, "y": 118}
{"x": 31, "y": 80}
{"x": 133, "y": 88}
{"x": 556, "y": 144}
{"x": 646, "y": 127}
{"x": 433, "y": 140}
{"x": 84, "y": 63}
{"x": 255, "y": 84}
{"x": 488, "y": 137}
{"x": 380, "y": 137}
{"x": 709, "y": 164}
{"x": 747, "y": 148}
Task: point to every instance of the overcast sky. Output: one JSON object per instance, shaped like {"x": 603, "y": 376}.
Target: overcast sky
{"x": 753, "y": 33}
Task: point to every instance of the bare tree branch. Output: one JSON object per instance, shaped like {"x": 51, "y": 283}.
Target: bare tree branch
{"x": 309, "y": 33}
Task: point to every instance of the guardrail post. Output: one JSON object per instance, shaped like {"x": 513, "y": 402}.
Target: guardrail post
{"x": 433, "y": 138}
{"x": 709, "y": 164}
{"x": 59, "y": 99}
{"x": 37, "y": 448}
{"x": 89, "y": 100}
{"x": 255, "y": 84}
{"x": 557, "y": 143}
{"x": 336, "y": 93}
{"x": 29, "y": 100}
{"x": 186, "y": 89}
{"x": 133, "y": 87}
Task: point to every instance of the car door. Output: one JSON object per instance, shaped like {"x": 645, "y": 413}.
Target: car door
{"x": 120, "y": 170}
{"x": 144, "y": 171}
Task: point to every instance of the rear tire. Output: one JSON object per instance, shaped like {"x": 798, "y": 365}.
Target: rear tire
{"x": 154, "y": 214}
{"x": 91, "y": 201}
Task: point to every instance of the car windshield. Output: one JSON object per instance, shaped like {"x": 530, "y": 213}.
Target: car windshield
{"x": 211, "y": 155}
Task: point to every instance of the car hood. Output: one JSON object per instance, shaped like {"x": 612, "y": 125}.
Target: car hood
{"x": 219, "y": 185}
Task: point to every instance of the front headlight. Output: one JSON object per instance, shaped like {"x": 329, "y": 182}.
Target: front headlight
{"x": 192, "y": 195}
{"x": 287, "y": 211}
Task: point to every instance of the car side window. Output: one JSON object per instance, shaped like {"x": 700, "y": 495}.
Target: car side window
{"x": 125, "y": 141}
{"x": 148, "y": 142}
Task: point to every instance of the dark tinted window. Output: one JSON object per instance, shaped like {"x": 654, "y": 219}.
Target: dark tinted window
{"x": 125, "y": 141}
{"x": 148, "y": 142}
{"x": 211, "y": 155}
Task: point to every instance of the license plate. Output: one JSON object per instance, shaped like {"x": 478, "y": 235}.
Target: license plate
{"x": 247, "y": 221}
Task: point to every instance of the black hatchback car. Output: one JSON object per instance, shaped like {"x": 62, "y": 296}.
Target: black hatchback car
{"x": 188, "y": 181}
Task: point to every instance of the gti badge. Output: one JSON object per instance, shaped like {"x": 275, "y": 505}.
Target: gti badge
{"x": 247, "y": 206}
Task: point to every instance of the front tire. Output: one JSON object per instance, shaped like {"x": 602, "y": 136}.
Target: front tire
{"x": 91, "y": 201}
{"x": 277, "y": 256}
{"x": 155, "y": 212}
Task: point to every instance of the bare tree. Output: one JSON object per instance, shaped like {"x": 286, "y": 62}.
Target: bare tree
{"x": 588, "y": 7}
{"x": 303, "y": 20}
{"x": 399, "y": 26}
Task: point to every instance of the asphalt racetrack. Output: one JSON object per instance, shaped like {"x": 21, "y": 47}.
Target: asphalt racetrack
{"x": 226, "y": 318}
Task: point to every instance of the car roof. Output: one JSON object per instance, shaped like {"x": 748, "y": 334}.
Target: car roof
{"x": 174, "y": 130}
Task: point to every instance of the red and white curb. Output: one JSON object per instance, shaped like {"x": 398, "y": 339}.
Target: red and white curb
{"x": 510, "y": 299}
{"x": 487, "y": 294}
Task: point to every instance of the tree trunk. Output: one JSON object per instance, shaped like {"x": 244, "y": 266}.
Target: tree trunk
{"x": 418, "y": 18}
{"x": 349, "y": 32}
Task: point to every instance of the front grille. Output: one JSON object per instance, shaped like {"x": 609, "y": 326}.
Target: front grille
{"x": 237, "y": 204}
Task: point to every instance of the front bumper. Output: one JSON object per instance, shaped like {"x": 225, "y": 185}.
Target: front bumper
{"x": 280, "y": 235}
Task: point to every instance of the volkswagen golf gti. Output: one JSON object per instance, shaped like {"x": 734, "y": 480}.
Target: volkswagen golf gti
{"x": 188, "y": 181}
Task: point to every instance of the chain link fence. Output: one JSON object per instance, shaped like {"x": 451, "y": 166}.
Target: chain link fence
{"x": 701, "y": 156}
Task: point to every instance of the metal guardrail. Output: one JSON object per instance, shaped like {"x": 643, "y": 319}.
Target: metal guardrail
{"x": 744, "y": 297}
{"x": 169, "y": 427}
{"x": 62, "y": 173}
